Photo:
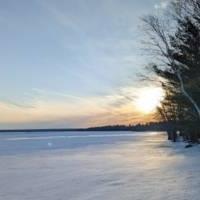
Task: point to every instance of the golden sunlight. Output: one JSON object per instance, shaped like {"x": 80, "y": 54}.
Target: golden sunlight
{"x": 148, "y": 99}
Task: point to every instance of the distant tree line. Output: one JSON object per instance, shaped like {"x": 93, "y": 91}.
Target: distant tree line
{"x": 174, "y": 40}
{"x": 151, "y": 126}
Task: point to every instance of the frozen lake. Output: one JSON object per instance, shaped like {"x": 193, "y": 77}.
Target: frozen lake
{"x": 23, "y": 143}
{"x": 96, "y": 166}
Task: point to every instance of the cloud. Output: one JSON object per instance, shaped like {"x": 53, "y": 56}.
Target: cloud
{"x": 71, "y": 111}
{"x": 61, "y": 17}
{"x": 162, "y": 5}
{"x": 12, "y": 103}
{"x": 46, "y": 93}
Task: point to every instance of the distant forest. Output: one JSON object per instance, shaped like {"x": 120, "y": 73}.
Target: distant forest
{"x": 152, "y": 126}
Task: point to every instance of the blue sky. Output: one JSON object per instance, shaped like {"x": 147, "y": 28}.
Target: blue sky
{"x": 71, "y": 63}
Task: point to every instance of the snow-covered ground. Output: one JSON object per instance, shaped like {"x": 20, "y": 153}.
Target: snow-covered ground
{"x": 97, "y": 166}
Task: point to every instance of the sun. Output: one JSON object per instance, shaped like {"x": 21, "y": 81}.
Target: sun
{"x": 148, "y": 99}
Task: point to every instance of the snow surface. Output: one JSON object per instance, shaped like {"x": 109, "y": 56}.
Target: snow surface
{"x": 97, "y": 166}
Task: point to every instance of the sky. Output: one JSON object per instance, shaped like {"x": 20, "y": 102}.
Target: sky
{"x": 72, "y": 63}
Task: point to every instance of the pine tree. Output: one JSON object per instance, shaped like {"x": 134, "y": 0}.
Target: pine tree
{"x": 179, "y": 66}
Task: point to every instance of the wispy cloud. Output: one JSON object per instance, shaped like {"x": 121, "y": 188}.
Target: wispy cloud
{"x": 60, "y": 16}
{"x": 162, "y": 5}
{"x": 73, "y": 111}
{"x": 13, "y": 103}
{"x": 47, "y": 93}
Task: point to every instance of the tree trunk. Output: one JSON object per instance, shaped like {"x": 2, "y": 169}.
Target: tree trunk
{"x": 186, "y": 94}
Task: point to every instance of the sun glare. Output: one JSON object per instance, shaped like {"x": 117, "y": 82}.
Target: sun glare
{"x": 148, "y": 99}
